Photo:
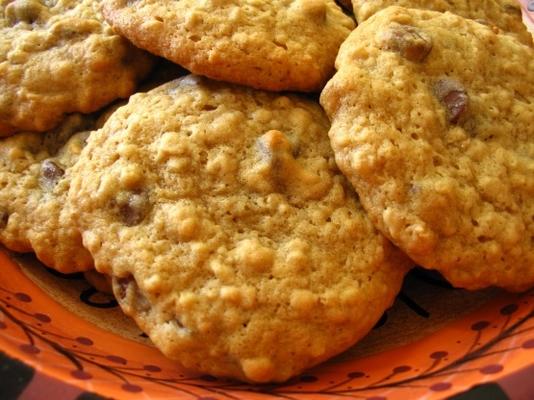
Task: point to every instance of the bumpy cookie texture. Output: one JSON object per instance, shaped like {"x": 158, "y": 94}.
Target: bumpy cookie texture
{"x": 59, "y": 57}
{"x": 503, "y": 14}
{"x": 232, "y": 238}
{"x": 273, "y": 45}
{"x": 34, "y": 180}
{"x": 432, "y": 121}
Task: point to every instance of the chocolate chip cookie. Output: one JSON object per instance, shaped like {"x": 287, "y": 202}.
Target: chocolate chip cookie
{"x": 231, "y": 237}
{"x": 502, "y": 14}
{"x": 34, "y": 180}
{"x": 432, "y": 122}
{"x": 59, "y": 57}
{"x": 273, "y": 45}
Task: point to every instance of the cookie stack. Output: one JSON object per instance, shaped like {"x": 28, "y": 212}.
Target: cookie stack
{"x": 248, "y": 231}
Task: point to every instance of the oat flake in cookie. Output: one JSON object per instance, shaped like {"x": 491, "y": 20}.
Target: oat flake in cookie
{"x": 273, "y": 45}
{"x": 232, "y": 239}
{"x": 433, "y": 123}
{"x": 502, "y": 14}
{"x": 59, "y": 57}
{"x": 34, "y": 181}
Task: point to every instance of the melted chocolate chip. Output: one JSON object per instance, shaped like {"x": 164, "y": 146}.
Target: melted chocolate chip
{"x": 133, "y": 209}
{"x": 4, "y": 217}
{"x": 121, "y": 286}
{"x": 410, "y": 42}
{"x": 51, "y": 172}
{"x": 453, "y": 97}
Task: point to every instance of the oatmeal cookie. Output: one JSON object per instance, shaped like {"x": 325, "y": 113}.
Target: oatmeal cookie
{"x": 432, "y": 122}
{"x": 232, "y": 239}
{"x": 503, "y": 14}
{"x": 34, "y": 180}
{"x": 273, "y": 45}
{"x": 59, "y": 57}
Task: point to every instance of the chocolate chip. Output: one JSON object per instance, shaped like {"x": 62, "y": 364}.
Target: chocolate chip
{"x": 514, "y": 8}
{"x": 133, "y": 208}
{"x": 274, "y": 147}
{"x": 120, "y": 286}
{"x": 410, "y": 42}
{"x": 51, "y": 173}
{"x": 453, "y": 97}
{"x": 136, "y": 299}
{"x": 4, "y": 217}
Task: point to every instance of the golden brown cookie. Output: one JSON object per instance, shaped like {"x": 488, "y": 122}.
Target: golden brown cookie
{"x": 59, "y": 57}
{"x": 273, "y": 45}
{"x": 34, "y": 180}
{"x": 504, "y": 14}
{"x": 432, "y": 122}
{"x": 232, "y": 238}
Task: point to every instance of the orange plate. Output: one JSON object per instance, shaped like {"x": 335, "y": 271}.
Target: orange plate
{"x": 494, "y": 341}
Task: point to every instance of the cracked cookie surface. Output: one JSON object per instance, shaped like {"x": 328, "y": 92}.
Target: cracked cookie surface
{"x": 504, "y": 14}
{"x": 273, "y": 45}
{"x": 432, "y": 123}
{"x": 59, "y": 57}
{"x": 34, "y": 181}
{"x": 231, "y": 236}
